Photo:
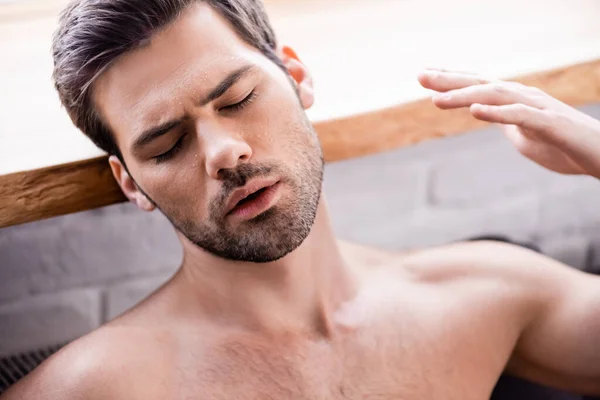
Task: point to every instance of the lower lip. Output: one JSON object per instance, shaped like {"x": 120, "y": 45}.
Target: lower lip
{"x": 258, "y": 205}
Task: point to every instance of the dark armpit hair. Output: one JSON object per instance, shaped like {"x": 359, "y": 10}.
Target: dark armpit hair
{"x": 92, "y": 34}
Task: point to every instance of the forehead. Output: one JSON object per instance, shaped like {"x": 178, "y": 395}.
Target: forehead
{"x": 185, "y": 59}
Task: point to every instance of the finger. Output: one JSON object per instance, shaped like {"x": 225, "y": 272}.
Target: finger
{"x": 495, "y": 94}
{"x": 528, "y": 147}
{"x": 544, "y": 154}
{"x": 516, "y": 138}
{"x": 522, "y": 115}
{"x": 443, "y": 81}
{"x": 581, "y": 145}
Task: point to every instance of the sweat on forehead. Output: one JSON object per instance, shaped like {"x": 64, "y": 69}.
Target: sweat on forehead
{"x": 157, "y": 82}
{"x": 93, "y": 34}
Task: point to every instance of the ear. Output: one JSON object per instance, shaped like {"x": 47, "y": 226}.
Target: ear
{"x": 300, "y": 75}
{"x": 128, "y": 185}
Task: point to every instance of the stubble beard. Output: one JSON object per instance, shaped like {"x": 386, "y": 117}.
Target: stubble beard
{"x": 276, "y": 232}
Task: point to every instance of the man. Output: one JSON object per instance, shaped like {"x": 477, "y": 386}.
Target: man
{"x": 203, "y": 115}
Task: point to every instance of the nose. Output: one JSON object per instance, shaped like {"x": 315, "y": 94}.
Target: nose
{"x": 224, "y": 152}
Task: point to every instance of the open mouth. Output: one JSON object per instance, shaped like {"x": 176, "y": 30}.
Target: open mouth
{"x": 250, "y": 197}
{"x": 256, "y": 202}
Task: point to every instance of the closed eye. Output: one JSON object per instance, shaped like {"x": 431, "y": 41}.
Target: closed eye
{"x": 239, "y": 106}
{"x": 171, "y": 152}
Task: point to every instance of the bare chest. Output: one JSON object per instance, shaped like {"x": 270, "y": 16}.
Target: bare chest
{"x": 394, "y": 341}
{"x": 406, "y": 362}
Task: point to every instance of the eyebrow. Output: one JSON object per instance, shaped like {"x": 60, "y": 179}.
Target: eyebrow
{"x": 155, "y": 132}
{"x": 227, "y": 83}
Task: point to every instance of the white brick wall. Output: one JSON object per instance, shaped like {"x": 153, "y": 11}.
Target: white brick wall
{"x": 122, "y": 296}
{"x": 46, "y": 320}
{"x": 574, "y": 250}
{"x": 63, "y": 277}
{"x": 91, "y": 248}
{"x": 488, "y": 173}
{"x": 572, "y": 210}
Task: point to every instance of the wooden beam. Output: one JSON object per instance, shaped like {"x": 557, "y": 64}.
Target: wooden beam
{"x": 58, "y": 190}
{"x": 417, "y": 121}
{"x": 68, "y": 188}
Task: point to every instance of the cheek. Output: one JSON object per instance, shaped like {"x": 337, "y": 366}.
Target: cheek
{"x": 276, "y": 122}
{"x": 177, "y": 189}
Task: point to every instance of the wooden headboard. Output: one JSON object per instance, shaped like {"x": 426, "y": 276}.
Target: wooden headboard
{"x": 364, "y": 56}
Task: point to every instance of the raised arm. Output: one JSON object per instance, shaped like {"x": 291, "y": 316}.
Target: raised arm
{"x": 555, "y": 310}
{"x": 542, "y": 128}
{"x": 560, "y": 343}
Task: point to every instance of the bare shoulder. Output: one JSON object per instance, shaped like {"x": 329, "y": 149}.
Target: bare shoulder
{"x": 458, "y": 260}
{"x": 498, "y": 272}
{"x": 482, "y": 259}
{"x": 476, "y": 262}
{"x": 366, "y": 256}
{"x": 101, "y": 365}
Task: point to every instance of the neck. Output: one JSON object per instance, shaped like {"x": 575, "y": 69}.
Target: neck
{"x": 297, "y": 293}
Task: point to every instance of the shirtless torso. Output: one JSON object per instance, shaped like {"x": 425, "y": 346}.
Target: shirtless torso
{"x": 267, "y": 304}
{"x": 435, "y": 324}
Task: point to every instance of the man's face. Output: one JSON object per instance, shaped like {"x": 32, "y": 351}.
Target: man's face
{"x": 204, "y": 120}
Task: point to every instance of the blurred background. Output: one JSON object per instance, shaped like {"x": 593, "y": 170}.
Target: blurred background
{"x": 63, "y": 277}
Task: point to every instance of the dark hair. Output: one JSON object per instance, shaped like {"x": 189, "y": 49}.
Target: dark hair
{"x": 92, "y": 34}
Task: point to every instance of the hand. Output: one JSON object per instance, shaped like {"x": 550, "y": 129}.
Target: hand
{"x": 543, "y": 129}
